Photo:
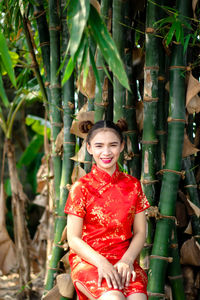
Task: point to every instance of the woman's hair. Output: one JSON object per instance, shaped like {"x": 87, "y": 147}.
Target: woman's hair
{"x": 90, "y": 128}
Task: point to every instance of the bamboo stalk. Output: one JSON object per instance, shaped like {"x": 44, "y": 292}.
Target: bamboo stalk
{"x": 191, "y": 188}
{"x": 119, "y": 38}
{"x": 174, "y": 269}
{"x": 171, "y": 175}
{"x": 100, "y": 102}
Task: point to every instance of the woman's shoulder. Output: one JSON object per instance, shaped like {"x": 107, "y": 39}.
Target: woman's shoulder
{"x": 129, "y": 178}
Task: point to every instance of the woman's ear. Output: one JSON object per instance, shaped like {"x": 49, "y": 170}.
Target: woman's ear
{"x": 89, "y": 148}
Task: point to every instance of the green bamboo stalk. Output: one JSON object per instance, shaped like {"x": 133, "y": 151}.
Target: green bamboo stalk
{"x": 55, "y": 87}
{"x": 100, "y": 106}
{"x": 43, "y": 30}
{"x": 88, "y": 157}
{"x": 174, "y": 269}
{"x": 149, "y": 137}
{"x": 171, "y": 176}
{"x": 119, "y": 39}
{"x": 191, "y": 188}
{"x": 56, "y": 123}
{"x": 134, "y": 159}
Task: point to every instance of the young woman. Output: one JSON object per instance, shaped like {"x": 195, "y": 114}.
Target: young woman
{"x": 106, "y": 225}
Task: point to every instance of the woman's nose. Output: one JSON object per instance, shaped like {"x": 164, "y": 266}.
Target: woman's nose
{"x": 107, "y": 150}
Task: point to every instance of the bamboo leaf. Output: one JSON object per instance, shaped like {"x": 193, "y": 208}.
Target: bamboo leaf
{"x": 170, "y": 34}
{"x": 37, "y": 124}
{"x": 96, "y": 74}
{"x": 31, "y": 151}
{"x": 107, "y": 46}
{"x": 187, "y": 39}
{"x": 77, "y": 16}
{"x": 178, "y": 31}
{"x": 3, "y": 94}
{"x": 6, "y": 59}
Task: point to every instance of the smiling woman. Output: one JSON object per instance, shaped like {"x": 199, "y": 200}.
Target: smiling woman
{"x": 106, "y": 225}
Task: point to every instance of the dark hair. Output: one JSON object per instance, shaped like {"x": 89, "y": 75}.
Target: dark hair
{"x": 90, "y": 128}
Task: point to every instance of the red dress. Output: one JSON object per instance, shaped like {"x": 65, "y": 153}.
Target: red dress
{"x": 108, "y": 205}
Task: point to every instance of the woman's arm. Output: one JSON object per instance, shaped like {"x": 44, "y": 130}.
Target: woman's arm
{"x": 125, "y": 265}
{"x": 105, "y": 269}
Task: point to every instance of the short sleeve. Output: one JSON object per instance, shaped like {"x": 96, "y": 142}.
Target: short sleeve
{"x": 142, "y": 202}
{"x": 76, "y": 200}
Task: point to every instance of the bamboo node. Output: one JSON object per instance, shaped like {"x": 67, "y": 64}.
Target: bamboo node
{"x": 196, "y": 236}
{"x": 147, "y": 245}
{"x": 129, "y": 106}
{"x": 56, "y": 28}
{"x": 69, "y": 143}
{"x": 44, "y": 44}
{"x": 146, "y": 181}
{"x": 152, "y": 212}
{"x": 156, "y": 295}
{"x": 170, "y": 119}
{"x": 55, "y": 86}
{"x": 151, "y": 68}
{"x": 130, "y": 131}
{"x": 168, "y": 259}
{"x": 38, "y": 14}
{"x": 57, "y": 124}
{"x": 160, "y": 216}
{"x": 150, "y": 99}
{"x": 175, "y": 277}
{"x": 180, "y": 173}
{"x": 103, "y": 104}
{"x": 150, "y": 30}
{"x": 195, "y": 186}
{"x": 161, "y": 132}
{"x": 174, "y": 246}
{"x": 177, "y": 67}
{"x": 150, "y": 142}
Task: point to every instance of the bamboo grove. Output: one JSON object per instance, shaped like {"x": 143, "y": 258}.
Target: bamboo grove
{"x": 107, "y": 59}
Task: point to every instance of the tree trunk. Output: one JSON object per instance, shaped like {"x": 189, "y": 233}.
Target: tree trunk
{"x": 19, "y": 201}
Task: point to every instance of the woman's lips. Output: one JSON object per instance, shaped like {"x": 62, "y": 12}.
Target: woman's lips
{"x": 106, "y": 160}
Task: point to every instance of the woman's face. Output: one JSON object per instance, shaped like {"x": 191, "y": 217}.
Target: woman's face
{"x": 105, "y": 146}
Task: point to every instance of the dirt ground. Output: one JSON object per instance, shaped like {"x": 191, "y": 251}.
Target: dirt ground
{"x": 9, "y": 286}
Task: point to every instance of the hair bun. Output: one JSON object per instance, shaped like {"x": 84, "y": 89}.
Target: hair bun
{"x": 85, "y": 126}
{"x": 122, "y": 124}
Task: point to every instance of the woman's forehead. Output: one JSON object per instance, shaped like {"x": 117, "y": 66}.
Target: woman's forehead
{"x": 105, "y": 133}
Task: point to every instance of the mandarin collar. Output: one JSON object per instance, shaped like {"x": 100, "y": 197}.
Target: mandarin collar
{"x": 103, "y": 177}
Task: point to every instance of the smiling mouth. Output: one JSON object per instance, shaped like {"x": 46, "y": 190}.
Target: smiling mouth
{"x": 106, "y": 160}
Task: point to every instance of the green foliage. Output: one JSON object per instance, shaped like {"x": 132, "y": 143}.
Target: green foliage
{"x": 31, "y": 151}
{"x": 175, "y": 28}
{"x": 85, "y": 22}
{"x": 38, "y": 125}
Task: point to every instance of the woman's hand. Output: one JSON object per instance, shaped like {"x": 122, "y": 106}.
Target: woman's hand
{"x": 126, "y": 272}
{"x": 108, "y": 271}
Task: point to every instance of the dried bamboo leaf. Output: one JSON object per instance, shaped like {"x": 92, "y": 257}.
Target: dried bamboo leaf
{"x": 80, "y": 155}
{"x": 83, "y": 115}
{"x": 195, "y": 208}
{"x": 139, "y": 115}
{"x": 193, "y": 105}
{"x": 188, "y": 147}
{"x": 188, "y": 230}
{"x": 167, "y": 86}
{"x": 65, "y": 261}
{"x": 77, "y": 173}
{"x": 59, "y": 142}
{"x": 87, "y": 89}
{"x": 197, "y": 281}
{"x": 181, "y": 214}
{"x": 190, "y": 253}
{"x": 96, "y": 4}
{"x": 64, "y": 235}
{"x": 53, "y": 294}
{"x": 194, "y": 4}
{"x": 65, "y": 285}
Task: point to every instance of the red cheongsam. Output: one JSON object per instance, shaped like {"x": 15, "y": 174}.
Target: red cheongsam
{"x": 108, "y": 205}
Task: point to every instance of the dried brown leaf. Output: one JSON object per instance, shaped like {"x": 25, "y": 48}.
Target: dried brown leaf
{"x": 190, "y": 253}
{"x": 192, "y": 99}
{"x": 53, "y": 294}
{"x": 188, "y": 230}
{"x": 65, "y": 261}
{"x": 59, "y": 142}
{"x": 139, "y": 115}
{"x": 8, "y": 252}
{"x": 77, "y": 173}
{"x": 89, "y": 88}
{"x": 83, "y": 115}
{"x": 96, "y": 4}
{"x": 194, "y": 4}
{"x": 65, "y": 285}
{"x": 188, "y": 147}
{"x": 195, "y": 208}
